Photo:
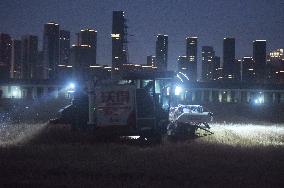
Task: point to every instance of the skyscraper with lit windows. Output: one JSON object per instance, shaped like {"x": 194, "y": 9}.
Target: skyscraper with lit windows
{"x": 259, "y": 57}
{"x": 50, "y": 50}
{"x": 5, "y": 55}
{"x": 183, "y": 65}
{"x": 64, "y": 43}
{"x": 29, "y": 56}
{"x": 191, "y": 53}
{"x": 151, "y": 60}
{"x": 16, "y": 51}
{"x": 247, "y": 69}
{"x": 208, "y": 66}
{"x": 119, "y": 42}
{"x": 162, "y": 52}
{"x": 229, "y": 66}
{"x": 88, "y": 37}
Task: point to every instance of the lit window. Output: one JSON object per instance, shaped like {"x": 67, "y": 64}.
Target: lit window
{"x": 115, "y": 35}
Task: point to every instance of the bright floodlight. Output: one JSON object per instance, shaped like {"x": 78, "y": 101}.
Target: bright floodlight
{"x": 258, "y": 100}
{"x": 15, "y": 93}
{"x": 178, "y": 90}
{"x": 71, "y": 87}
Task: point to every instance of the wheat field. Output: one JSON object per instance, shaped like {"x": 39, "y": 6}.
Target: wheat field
{"x": 236, "y": 155}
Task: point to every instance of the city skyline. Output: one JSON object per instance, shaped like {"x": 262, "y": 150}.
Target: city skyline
{"x": 145, "y": 22}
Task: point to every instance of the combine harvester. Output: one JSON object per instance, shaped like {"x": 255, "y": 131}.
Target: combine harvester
{"x": 133, "y": 107}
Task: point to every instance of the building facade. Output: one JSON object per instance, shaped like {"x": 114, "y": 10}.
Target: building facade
{"x": 29, "y": 57}
{"x": 88, "y": 37}
{"x": 259, "y": 56}
{"x": 162, "y": 52}
{"x": 81, "y": 58}
{"x": 50, "y": 50}
{"x": 151, "y": 60}
{"x": 16, "y": 51}
{"x": 217, "y": 70}
{"x": 5, "y": 55}
{"x": 64, "y": 43}
{"x": 208, "y": 66}
{"x": 191, "y": 53}
{"x": 238, "y": 93}
{"x": 229, "y": 63}
{"x": 247, "y": 70}
{"x": 119, "y": 42}
{"x": 275, "y": 64}
{"x": 183, "y": 65}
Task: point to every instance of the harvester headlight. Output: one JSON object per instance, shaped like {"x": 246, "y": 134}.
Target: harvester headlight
{"x": 258, "y": 100}
{"x": 71, "y": 87}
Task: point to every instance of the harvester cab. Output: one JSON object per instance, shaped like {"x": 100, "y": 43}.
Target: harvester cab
{"x": 130, "y": 107}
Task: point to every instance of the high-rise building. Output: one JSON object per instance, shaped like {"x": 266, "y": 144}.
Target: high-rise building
{"x": 16, "y": 51}
{"x": 162, "y": 52}
{"x": 50, "y": 50}
{"x": 81, "y": 58}
{"x": 39, "y": 66}
{"x": 217, "y": 71}
{"x": 5, "y": 55}
{"x": 208, "y": 65}
{"x": 238, "y": 66}
{"x": 151, "y": 60}
{"x": 29, "y": 57}
{"x": 276, "y": 57}
{"x": 64, "y": 43}
{"x": 119, "y": 42}
{"x": 247, "y": 70}
{"x": 183, "y": 65}
{"x": 88, "y": 37}
{"x": 191, "y": 53}
{"x": 229, "y": 66}
{"x": 275, "y": 65}
{"x": 259, "y": 57}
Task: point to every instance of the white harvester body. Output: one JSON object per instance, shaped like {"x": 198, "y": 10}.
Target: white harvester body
{"x": 186, "y": 119}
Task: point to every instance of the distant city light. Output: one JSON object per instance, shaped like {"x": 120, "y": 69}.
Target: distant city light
{"x": 115, "y": 35}
{"x": 95, "y": 66}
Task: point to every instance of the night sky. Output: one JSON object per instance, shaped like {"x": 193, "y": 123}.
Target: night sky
{"x": 210, "y": 20}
